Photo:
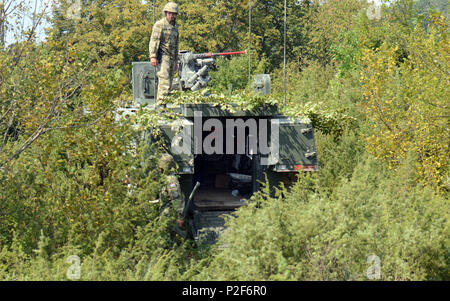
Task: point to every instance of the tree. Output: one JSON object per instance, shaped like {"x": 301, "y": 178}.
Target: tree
{"x": 52, "y": 85}
{"x": 329, "y": 22}
{"x": 208, "y": 25}
{"x": 2, "y": 25}
{"x": 22, "y": 65}
{"x": 423, "y": 6}
{"x": 405, "y": 84}
{"x": 66, "y": 166}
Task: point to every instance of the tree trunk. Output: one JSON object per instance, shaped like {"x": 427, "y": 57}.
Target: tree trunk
{"x": 2, "y": 25}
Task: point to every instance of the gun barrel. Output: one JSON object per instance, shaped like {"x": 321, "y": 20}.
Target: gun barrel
{"x": 230, "y": 53}
{"x": 210, "y": 54}
{"x": 190, "y": 200}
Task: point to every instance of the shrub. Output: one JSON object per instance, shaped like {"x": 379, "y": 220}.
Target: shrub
{"x": 309, "y": 236}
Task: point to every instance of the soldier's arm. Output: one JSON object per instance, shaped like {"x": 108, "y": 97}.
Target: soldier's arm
{"x": 155, "y": 40}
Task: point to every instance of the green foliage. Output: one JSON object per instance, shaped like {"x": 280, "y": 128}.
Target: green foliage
{"x": 346, "y": 52}
{"x": 406, "y": 99}
{"x": 329, "y": 22}
{"x": 73, "y": 187}
{"x": 320, "y": 95}
{"x": 232, "y": 74}
{"x": 310, "y": 236}
{"x": 88, "y": 194}
{"x": 76, "y": 182}
{"x": 227, "y": 22}
{"x": 230, "y": 103}
{"x": 323, "y": 119}
{"x": 424, "y": 6}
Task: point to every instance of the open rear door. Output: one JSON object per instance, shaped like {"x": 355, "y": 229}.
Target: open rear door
{"x": 296, "y": 145}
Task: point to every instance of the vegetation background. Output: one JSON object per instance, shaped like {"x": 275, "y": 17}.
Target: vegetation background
{"x": 76, "y": 182}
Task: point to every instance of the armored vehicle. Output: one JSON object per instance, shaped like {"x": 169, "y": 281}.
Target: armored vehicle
{"x": 228, "y": 153}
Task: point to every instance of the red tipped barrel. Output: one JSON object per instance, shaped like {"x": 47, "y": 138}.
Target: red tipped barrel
{"x": 230, "y": 53}
{"x": 209, "y": 54}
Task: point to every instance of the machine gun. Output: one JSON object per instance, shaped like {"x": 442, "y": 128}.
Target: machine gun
{"x": 193, "y": 68}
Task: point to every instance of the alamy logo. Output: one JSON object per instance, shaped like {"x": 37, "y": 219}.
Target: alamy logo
{"x": 374, "y": 271}
{"x": 74, "y": 10}
{"x": 373, "y": 11}
{"x": 239, "y": 136}
{"x": 74, "y": 271}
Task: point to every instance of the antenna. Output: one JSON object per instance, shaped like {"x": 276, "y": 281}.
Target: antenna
{"x": 249, "y": 46}
{"x": 154, "y": 77}
{"x": 153, "y": 8}
{"x": 284, "y": 55}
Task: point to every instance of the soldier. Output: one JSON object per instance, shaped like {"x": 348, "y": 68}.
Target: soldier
{"x": 171, "y": 193}
{"x": 164, "y": 49}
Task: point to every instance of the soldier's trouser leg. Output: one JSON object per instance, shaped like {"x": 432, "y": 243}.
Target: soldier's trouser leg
{"x": 165, "y": 77}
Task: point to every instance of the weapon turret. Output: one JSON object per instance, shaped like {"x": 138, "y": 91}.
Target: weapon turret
{"x": 194, "y": 68}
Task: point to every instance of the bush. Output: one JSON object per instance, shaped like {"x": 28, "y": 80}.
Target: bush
{"x": 234, "y": 72}
{"x": 308, "y": 236}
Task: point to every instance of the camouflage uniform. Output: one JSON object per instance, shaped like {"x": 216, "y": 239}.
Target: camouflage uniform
{"x": 164, "y": 47}
{"x": 171, "y": 193}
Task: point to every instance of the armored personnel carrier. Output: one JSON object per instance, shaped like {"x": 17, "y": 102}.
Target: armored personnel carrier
{"x": 228, "y": 153}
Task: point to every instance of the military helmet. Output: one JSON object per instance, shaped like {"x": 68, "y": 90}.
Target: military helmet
{"x": 166, "y": 162}
{"x": 171, "y": 7}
